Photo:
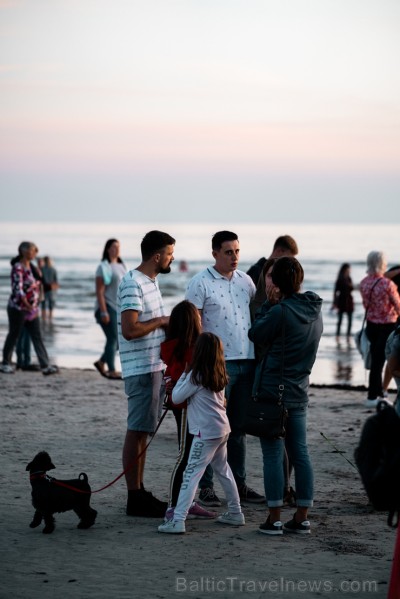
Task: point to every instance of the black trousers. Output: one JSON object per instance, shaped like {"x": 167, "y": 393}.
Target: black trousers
{"x": 16, "y": 323}
{"x": 377, "y": 334}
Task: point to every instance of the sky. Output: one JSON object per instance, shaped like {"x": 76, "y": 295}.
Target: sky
{"x": 200, "y": 110}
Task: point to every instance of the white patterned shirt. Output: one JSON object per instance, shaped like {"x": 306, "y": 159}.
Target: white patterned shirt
{"x": 141, "y": 293}
{"x": 225, "y": 309}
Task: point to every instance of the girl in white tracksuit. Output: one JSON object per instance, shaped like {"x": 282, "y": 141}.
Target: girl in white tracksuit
{"x": 203, "y": 387}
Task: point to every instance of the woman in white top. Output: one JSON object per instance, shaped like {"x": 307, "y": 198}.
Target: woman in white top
{"x": 203, "y": 386}
{"x": 108, "y": 277}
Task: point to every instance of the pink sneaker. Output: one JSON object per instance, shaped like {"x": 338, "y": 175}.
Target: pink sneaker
{"x": 197, "y": 512}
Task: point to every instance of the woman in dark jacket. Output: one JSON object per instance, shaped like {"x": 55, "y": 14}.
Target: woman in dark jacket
{"x": 300, "y": 314}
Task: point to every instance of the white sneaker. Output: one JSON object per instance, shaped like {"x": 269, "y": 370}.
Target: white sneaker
{"x": 175, "y": 527}
{"x": 233, "y": 519}
{"x": 6, "y": 368}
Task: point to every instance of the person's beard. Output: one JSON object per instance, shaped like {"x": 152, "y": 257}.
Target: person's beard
{"x": 164, "y": 270}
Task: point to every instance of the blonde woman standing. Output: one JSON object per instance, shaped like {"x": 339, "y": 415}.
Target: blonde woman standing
{"x": 381, "y": 301}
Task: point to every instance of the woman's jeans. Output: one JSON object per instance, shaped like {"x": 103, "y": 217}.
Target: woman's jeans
{"x": 377, "y": 334}
{"x": 17, "y": 322}
{"x": 111, "y": 333}
{"x": 296, "y": 445}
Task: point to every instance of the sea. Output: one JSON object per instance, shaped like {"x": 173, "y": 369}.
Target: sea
{"x": 74, "y": 340}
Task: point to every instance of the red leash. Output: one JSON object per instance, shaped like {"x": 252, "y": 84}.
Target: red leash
{"x": 61, "y": 484}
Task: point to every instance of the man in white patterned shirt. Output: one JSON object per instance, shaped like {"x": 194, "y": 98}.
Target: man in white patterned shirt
{"x": 222, "y": 294}
{"x": 141, "y": 329}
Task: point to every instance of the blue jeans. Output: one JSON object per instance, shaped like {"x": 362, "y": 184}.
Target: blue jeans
{"x": 296, "y": 445}
{"x": 111, "y": 333}
{"x": 241, "y": 378}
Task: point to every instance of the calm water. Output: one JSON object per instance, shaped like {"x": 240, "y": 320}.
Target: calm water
{"x": 75, "y": 340}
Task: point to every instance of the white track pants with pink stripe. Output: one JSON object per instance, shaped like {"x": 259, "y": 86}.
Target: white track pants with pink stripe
{"x": 202, "y": 453}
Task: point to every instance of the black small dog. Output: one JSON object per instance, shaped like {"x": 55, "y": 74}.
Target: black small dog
{"x": 49, "y": 497}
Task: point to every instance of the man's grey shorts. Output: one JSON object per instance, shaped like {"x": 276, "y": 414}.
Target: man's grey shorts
{"x": 145, "y": 393}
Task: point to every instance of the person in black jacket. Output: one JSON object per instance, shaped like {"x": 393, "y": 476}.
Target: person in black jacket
{"x": 289, "y": 327}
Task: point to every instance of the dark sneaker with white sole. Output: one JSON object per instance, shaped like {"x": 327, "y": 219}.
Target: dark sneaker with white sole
{"x": 249, "y": 495}
{"x": 208, "y": 498}
{"x": 302, "y": 528}
{"x": 271, "y": 529}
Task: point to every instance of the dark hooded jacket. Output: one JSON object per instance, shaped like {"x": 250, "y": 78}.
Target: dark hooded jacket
{"x": 303, "y": 330}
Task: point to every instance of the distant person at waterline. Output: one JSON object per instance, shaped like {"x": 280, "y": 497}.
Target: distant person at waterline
{"x": 23, "y": 310}
{"x": 343, "y": 299}
{"x": 50, "y": 286}
{"x": 109, "y": 274}
{"x": 381, "y": 301}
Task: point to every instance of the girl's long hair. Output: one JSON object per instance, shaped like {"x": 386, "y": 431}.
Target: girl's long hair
{"x": 208, "y": 364}
{"x": 185, "y": 326}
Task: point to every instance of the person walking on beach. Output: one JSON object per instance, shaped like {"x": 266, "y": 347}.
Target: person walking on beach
{"x": 50, "y": 286}
{"x": 203, "y": 385}
{"x": 23, "y": 310}
{"x": 381, "y": 301}
{"x": 109, "y": 274}
{"x": 141, "y": 330}
{"x": 343, "y": 299}
{"x": 289, "y": 328}
{"x": 284, "y": 245}
{"x": 222, "y": 294}
{"x": 183, "y": 331}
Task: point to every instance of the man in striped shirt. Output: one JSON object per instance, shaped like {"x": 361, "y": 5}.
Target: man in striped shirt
{"x": 141, "y": 329}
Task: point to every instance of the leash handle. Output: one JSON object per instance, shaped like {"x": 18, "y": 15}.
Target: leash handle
{"x": 66, "y": 486}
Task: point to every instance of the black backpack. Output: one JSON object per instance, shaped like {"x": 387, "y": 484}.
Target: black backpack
{"x": 378, "y": 460}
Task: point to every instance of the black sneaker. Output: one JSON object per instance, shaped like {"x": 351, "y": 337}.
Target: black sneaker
{"x": 302, "y": 528}
{"x": 271, "y": 529}
{"x": 249, "y": 495}
{"x": 208, "y": 498}
{"x": 143, "y": 504}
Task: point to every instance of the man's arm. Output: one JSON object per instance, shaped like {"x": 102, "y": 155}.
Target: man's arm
{"x": 132, "y": 328}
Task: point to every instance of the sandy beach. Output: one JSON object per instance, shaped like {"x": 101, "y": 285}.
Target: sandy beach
{"x": 80, "y": 418}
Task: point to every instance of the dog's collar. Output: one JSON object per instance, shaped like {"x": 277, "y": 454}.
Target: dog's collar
{"x": 40, "y": 474}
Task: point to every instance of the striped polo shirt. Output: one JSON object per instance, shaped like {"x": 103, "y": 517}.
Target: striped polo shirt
{"x": 141, "y": 293}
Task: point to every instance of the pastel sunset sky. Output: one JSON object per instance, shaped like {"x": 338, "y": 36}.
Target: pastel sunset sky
{"x": 247, "y": 110}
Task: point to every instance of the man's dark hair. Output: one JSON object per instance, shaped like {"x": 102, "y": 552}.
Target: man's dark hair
{"x": 222, "y": 236}
{"x": 286, "y": 243}
{"x": 153, "y": 242}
